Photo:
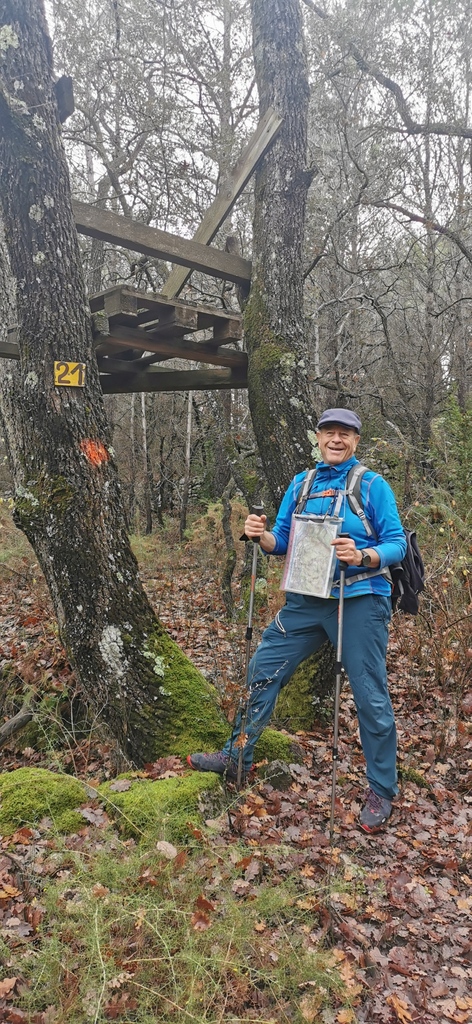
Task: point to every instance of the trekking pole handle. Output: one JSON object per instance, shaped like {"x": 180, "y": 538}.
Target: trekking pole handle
{"x": 257, "y": 510}
{"x": 343, "y": 565}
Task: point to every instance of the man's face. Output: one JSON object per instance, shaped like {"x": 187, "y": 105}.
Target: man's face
{"x": 337, "y": 444}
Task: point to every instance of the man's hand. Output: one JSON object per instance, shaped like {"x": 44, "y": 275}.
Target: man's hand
{"x": 346, "y": 551}
{"x": 254, "y": 528}
{"x": 254, "y": 525}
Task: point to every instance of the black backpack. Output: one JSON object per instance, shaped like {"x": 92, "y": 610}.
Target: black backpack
{"x": 407, "y": 576}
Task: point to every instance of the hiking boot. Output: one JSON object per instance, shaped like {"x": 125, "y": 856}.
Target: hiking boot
{"x": 217, "y": 762}
{"x": 375, "y": 812}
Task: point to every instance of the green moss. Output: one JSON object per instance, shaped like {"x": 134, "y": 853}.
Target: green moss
{"x": 29, "y": 794}
{"x": 41, "y": 496}
{"x": 190, "y": 719}
{"x": 406, "y": 774}
{"x": 274, "y": 746}
{"x": 294, "y": 709}
{"x": 269, "y": 355}
{"x": 165, "y": 807}
{"x": 69, "y": 822}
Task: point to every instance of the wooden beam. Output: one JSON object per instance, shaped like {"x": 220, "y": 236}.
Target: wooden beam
{"x": 111, "y": 364}
{"x": 9, "y": 349}
{"x": 259, "y": 143}
{"x": 111, "y": 227}
{"x": 153, "y": 305}
{"x": 168, "y": 348}
{"x": 172, "y": 380}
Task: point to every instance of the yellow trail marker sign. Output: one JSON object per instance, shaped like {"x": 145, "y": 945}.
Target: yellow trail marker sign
{"x": 71, "y": 375}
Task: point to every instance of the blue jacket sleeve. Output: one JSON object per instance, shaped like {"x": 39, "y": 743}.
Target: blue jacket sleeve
{"x": 281, "y": 528}
{"x": 381, "y": 510}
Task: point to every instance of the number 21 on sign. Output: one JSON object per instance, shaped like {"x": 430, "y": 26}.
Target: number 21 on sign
{"x": 71, "y": 375}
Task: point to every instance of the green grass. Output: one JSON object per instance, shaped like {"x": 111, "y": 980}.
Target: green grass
{"x": 173, "y": 942}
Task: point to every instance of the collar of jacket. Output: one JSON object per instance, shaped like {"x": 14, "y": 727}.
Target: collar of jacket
{"x": 342, "y": 469}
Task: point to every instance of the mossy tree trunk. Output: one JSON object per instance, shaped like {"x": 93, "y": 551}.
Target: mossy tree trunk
{"x": 67, "y": 494}
{"x": 275, "y": 330}
{"x": 279, "y": 393}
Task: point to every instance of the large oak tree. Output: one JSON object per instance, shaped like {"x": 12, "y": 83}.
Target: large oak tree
{"x": 66, "y": 488}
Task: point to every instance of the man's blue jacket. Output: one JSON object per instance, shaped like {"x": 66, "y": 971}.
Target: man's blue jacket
{"x": 380, "y": 508}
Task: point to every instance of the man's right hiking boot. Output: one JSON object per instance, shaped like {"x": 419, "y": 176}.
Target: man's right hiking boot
{"x": 217, "y": 762}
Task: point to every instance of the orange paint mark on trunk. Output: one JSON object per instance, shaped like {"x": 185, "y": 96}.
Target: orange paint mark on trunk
{"x": 94, "y": 451}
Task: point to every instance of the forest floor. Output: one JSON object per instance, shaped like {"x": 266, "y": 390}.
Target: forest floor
{"x": 398, "y": 920}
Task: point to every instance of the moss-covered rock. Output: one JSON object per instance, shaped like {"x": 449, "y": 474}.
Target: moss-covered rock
{"x": 276, "y": 746}
{"x": 309, "y": 694}
{"x": 165, "y": 807}
{"x": 29, "y": 794}
{"x": 294, "y": 709}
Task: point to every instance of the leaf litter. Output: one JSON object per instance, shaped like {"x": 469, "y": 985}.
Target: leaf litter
{"x": 395, "y": 908}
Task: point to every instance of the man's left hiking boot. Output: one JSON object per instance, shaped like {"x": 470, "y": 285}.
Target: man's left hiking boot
{"x": 217, "y": 762}
{"x": 375, "y": 812}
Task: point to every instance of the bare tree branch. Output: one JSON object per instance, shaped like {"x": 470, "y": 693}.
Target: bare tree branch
{"x": 433, "y": 225}
{"x": 413, "y": 127}
{"x": 15, "y": 724}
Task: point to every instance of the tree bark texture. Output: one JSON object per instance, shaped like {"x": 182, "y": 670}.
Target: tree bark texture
{"x": 67, "y": 494}
{"x": 279, "y": 392}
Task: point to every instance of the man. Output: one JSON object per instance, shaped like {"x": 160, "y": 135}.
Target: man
{"x": 304, "y": 623}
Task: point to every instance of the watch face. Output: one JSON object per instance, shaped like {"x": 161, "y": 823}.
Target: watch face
{"x": 366, "y": 559}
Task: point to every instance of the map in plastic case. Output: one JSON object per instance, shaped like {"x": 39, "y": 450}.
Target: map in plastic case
{"x": 311, "y": 559}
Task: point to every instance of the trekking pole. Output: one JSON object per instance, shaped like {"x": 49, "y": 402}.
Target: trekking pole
{"x": 337, "y": 692}
{"x": 256, "y": 510}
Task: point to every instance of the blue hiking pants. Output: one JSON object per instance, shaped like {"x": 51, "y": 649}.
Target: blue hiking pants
{"x": 298, "y": 630}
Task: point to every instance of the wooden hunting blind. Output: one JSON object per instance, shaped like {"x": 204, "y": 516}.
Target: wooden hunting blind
{"x": 136, "y": 332}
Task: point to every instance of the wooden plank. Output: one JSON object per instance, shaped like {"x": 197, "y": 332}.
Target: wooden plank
{"x": 153, "y": 305}
{"x": 111, "y": 227}
{"x": 178, "y": 321}
{"x": 173, "y": 380}
{"x": 155, "y": 300}
{"x": 125, "y": 337}
{"x": 121, "y": 307}
{"x": 112, "y": 364}
{"x": 9, "y": 349}
{"x": 224, "y": 201}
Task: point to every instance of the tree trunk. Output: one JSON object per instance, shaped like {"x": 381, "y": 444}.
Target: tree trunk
{"x": 279, "y": 393}
{"x": 67, "y": 494}
{"x": 147, "y": 468}
{"x": 280, "y": 399}
{"x": 187, "y": 466}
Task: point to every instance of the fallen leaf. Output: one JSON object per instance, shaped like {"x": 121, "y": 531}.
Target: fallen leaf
{"x": 310, "y": 1005}
{"x": 346, "y": 1017}
{"x": 240, "y": 887}
{"x": 399, "y": 1006}
{"x": 203, "y": 904}
{"x": 120, "y": 785}
{"x": 166, "y": 849}
{"x": 6, "y": 986}
{"x": 8, "y": 891}
{"x": 200, "y": 921}
{"x": 100, "y": 890}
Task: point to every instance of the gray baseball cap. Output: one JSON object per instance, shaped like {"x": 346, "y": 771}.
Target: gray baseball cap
{"x": 341, "y": 417}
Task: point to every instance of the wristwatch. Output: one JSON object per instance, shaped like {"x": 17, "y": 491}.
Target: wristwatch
{"x": 365, "y": 559}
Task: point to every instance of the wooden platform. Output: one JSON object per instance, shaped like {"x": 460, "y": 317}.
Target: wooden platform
{"x": 136, "y": 332}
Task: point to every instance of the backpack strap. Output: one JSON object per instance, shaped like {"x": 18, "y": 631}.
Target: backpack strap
{"x": 353, "y": 495}
{"x": 304, "y": 492}
{"x": 367, "y": 574}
